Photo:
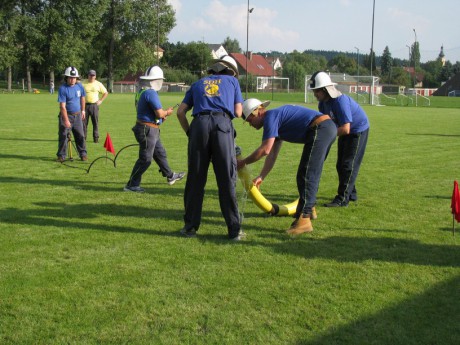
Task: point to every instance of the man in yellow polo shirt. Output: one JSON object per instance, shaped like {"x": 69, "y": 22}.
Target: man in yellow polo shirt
{"x": 93, "y": 88}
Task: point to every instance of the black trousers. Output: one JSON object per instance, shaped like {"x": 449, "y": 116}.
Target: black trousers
{"x": 211, "y": 139}
{"x": 92, "y": 112}
{"x": 350, "y": 153}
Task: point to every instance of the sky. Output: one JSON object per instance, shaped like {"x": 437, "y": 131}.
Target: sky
{"x": 339, "y": 25}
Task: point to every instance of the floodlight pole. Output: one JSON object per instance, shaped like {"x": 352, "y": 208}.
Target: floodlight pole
{"x": 158, "y": 34}
{"x": 273, "y": 74}
{"x": 372, "y": 56}
{"x": 357, "y": 82}
{"x": 415, "y": 73}
{"x": 247, "y": 48}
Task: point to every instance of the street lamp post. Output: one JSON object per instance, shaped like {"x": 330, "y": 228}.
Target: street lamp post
{"x": 273, "y": 75}
{"x": 408, "y": 65}
{"x": 371, "y": 93}
{"x": 247, "y": 48}
{"x": 357, "y": 81}
{"x": 158, "y": 34}
{"x": 414, "y": 55}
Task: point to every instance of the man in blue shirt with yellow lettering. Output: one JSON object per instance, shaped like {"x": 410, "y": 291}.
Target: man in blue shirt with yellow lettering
{"x": 216, "y": 100}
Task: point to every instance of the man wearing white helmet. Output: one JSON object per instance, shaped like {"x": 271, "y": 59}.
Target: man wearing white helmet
{"x": 298, "y": 125}
{"x": 353, "y": 131}
{"x": 150, "y": 115}
{"x": 71, "y": 98}
{"x": 216, "y": 100}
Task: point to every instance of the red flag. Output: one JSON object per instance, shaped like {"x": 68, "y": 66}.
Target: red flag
{"x": 108, "y": 144}
{"x": 455, "y": 203}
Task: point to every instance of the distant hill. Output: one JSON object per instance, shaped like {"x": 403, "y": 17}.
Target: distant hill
{"x": 330, "y": 54}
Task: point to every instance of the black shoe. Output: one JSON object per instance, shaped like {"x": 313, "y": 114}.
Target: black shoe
{"x": 188, "y": 232}
{"x": 135, "y": 189}
{"x": 335, "y": 203}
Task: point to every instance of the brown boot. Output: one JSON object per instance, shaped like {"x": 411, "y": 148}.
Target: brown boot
{"x": 313, "y": 213}
{"x": 300, "y": 226}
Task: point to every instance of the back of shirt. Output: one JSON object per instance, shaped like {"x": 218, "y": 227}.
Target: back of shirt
{"x": 344, "y": 109}
{"x": 288, "y": 122}
{"x": 214, "y": 93}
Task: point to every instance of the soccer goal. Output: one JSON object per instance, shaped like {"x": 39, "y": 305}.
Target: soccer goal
{"x": 272, "y": 84}
{"x": 364, "y": 89}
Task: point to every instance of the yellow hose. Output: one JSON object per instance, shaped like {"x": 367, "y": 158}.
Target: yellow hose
{"x": 257, "y": 197}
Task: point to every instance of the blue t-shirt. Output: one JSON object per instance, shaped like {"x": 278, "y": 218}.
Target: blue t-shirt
{"x": 344, "y": 109}
{"x": 148, "y": 102}
{"x": 70, "y": 95}
{"x": 214, "y": 93}
{"x": 289, "y": 123}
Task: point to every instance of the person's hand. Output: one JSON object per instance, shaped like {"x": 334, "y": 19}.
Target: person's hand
{"x": 257, "y": 181}
{"x": 240, "y": 164}
{"x": 67, "y": 124}
{"x": 83, "y": 114}
{"x": 169, "y": 111}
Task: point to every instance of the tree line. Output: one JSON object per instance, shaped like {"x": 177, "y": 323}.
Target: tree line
{"x": 40, "y": 38}
{"x": 115, "y": 37}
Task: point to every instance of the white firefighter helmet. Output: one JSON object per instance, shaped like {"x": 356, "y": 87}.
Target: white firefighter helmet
{"x": 153, "y": 73}
{"x": 224, "y": 62}
{"x": 71, "y": 72}
{"x": 252, "y": 104}
{"x": 321, "y": 80}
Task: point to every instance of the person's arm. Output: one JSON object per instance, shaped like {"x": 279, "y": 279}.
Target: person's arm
{"x": 181, "y": 115}
{"x": 343, "y": 130}
{"x": 83, "y": 104}
{"x": 262, "y": 151}
{"x": 64, "y": 116}
{"x": 162, "y": 114}
{"x": 268, "y": 164}
{"x": 104, "y": 96}
{"x": 238, "y": 109}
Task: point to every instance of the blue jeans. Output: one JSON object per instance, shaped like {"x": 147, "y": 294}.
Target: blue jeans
{"x": 350, "y": 153}
{"x": 318, "y": 140}
{"x": 150, "y": 147}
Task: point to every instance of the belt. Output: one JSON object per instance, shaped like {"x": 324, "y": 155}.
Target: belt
{"x": 90, "y": 103}
{"x": 148, "y": 124}
{"x": 317, "y": 120}
{"x": 74, "y": 114}
{"x": 212, "y": 113}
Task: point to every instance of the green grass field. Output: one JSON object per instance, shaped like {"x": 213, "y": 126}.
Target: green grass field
{"x": 82, "y": 262}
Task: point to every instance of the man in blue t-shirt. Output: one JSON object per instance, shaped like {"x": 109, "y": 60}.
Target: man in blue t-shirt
{"x": 352, "y": 130}
{"x": 71, "y": 98}
{"x": 299, "y": 125}
{"x": 150, "y": 115}
{"x": 216, "y": 100}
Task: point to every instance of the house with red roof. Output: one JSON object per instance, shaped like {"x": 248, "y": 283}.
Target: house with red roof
{"x": 255, "y": 65}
